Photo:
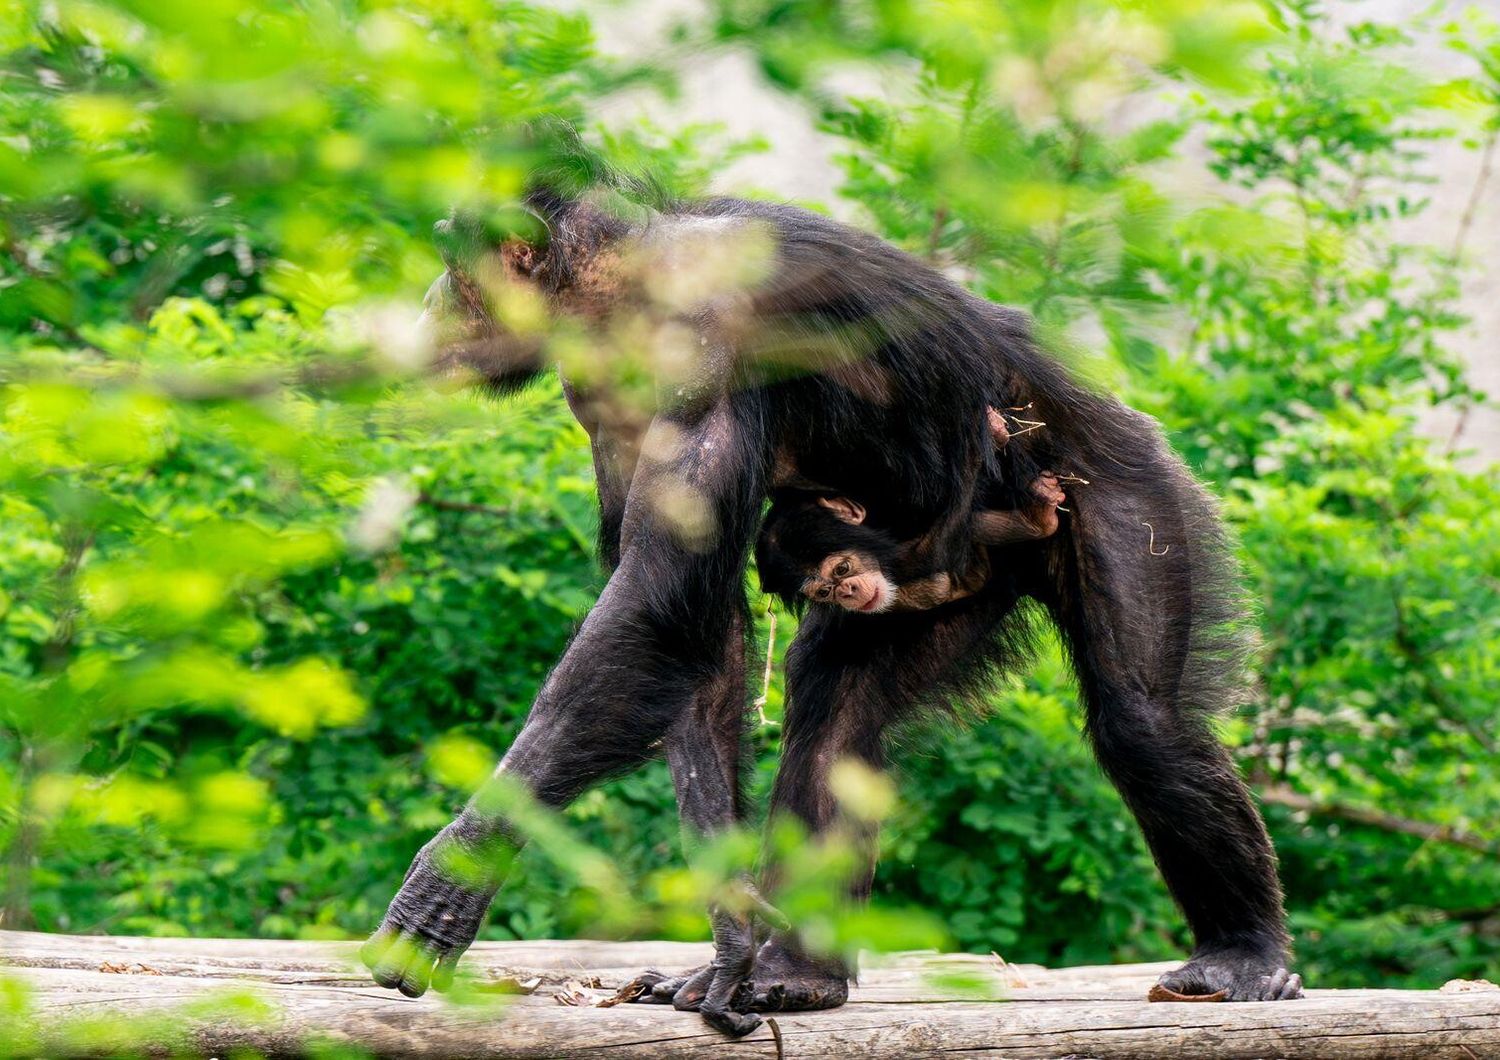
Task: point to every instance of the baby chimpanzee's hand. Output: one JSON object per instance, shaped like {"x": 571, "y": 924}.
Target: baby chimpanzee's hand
{"x": 1049, "y": 494}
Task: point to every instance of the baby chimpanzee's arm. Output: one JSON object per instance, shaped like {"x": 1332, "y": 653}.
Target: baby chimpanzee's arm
{"x": 921, "y": 594}
{"x": 990, "y": 527}
{"x": 1037, "y": 520}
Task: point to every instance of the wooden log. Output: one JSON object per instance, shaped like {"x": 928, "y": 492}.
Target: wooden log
{"x": 212, "y": 996}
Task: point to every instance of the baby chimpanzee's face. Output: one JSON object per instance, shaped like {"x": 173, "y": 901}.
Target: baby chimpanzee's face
{"x": 850, "y": 580}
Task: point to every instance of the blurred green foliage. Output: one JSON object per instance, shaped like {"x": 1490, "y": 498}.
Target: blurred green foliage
{"x": 271, "y": 603}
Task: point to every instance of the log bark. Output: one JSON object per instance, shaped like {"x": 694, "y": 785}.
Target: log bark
{"x": 100, "y": 996}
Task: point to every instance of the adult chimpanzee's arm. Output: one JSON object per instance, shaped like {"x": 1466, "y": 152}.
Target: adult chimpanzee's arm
{"x": 614, "y": 467}
{"x": 704, "y": 746}
{"x": 655, "y": 642}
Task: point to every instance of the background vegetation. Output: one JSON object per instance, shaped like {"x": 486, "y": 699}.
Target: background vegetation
{"x": 271, "y": 602}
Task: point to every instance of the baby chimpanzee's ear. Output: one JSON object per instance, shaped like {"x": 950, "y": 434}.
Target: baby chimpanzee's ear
{"x": 851, "y": 512}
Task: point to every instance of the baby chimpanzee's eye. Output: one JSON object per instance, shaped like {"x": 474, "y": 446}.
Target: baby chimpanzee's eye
{"x": 842, "y": 570}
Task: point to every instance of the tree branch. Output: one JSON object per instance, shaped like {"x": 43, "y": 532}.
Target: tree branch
{"x": 463, "y": 506}
{"x": 1466, "y": 222}
{"x": 1280, "y": 795}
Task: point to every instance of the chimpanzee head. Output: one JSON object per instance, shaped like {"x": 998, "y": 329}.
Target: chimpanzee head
{"x": 818, "y": 549}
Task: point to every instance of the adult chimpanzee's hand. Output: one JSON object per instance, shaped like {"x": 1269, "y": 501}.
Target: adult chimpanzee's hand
{"x": 433, "y": 918}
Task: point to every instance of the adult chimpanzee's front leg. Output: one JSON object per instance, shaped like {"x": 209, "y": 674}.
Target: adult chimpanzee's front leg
{"x": 704, "y": 746}
{"x": 651, "y": 645}
{"x": 704, "y": 751}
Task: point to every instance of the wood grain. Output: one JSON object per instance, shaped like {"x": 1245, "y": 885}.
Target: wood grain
{"x": 209, "y": 996}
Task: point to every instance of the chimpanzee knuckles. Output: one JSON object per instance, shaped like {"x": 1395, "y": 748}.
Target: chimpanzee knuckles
{"x": 1283, "y": 986}
{"x": 429, "y": 924}
{"x": 398, "y": 962}
{"x": 401, "y": 960}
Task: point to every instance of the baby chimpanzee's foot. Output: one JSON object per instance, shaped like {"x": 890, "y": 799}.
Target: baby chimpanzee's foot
{"x": 1239, "y": 974}
{"x": 1049, "y": 494}
{"x": 787, "y": 980}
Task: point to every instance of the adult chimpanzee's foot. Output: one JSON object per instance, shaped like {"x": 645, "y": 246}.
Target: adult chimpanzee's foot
{"x": 1241, "y": 974}
{"x": 720, "y": 989}
{"x": 787, "y": 980}
{"x": 723, "y": 989}
{"x": 685, "y": 991}
{"x": 783, "y": 979}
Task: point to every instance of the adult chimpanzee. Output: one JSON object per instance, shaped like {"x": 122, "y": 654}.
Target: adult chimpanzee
{"x": 846, "y": 363}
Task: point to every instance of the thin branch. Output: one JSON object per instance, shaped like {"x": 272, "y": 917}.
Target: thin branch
{"x": 1434, "y": 833}
{"x": 463, "y": 506}
{"x": 1466, "y": 222}
{"x": 765, "y": 680}
{"x": 1460, "y": 425}
{"x": 935, "y": 237}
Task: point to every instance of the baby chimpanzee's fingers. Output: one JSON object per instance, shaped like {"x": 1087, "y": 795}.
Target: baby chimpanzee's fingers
{"x": 998, "y": 428}
{"x": 1047, "y": 488}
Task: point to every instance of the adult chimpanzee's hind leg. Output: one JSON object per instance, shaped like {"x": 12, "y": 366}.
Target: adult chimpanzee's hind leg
{"x": 652, "y": 644}
{"x": 1146, "y": 594}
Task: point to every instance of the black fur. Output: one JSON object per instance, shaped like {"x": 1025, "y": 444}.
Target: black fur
{"x": 871, "y": 373}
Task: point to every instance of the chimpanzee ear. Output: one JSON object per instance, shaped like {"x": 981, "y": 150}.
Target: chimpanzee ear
{"x": 522, "y": 258}
{"x": 845, "y": 510}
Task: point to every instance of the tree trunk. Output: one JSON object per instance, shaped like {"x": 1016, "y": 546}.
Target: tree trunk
{"x": 102, "y": 996}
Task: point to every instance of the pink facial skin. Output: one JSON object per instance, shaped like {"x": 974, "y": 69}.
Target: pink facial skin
{"x": 843, "y": 581}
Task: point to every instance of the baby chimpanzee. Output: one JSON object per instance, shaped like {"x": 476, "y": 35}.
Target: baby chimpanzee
{"x": 821, "y": 548}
